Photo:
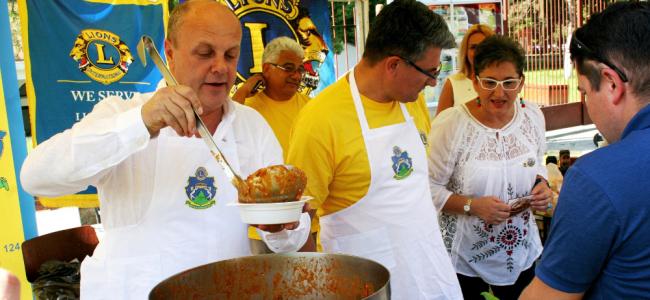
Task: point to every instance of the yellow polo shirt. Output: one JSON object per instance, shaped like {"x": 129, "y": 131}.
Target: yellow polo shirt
{"x": 326, "y": 142}
{"x": 280, "y": 115}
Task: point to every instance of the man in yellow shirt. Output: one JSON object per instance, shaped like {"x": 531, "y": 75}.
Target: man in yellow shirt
{"x": 361, "y": 143}
{"x": 279, "y": 103}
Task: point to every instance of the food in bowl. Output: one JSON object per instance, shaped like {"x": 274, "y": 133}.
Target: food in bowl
{"x": 278, "y": 183}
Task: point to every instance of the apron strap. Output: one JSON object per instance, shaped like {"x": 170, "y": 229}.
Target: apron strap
{"x": 356, "y": 97}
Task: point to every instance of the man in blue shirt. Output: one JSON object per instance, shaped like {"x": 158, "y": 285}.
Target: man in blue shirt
{"x": 600, "y": 244}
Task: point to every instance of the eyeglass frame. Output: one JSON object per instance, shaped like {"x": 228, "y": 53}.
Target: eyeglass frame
{"x": 596, "y": 57}
{"x": 302, "y": 71}
{"x": 499, "y": 82}
{"x": 433, "y": 76}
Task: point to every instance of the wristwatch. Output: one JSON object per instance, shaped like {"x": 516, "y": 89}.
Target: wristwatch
{"x": 467, "y": 206}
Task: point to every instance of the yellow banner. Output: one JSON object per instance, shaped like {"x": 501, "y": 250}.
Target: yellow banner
{"x": 11, "y": 232}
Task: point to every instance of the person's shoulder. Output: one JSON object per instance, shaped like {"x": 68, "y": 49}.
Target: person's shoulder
{"x": 330, "y": 111}
{"x": 449, "y": 122}
{"x": 253, "y": 101}
{"x": 337, "y": 89}
{"x": 622, "y": 156}
{"x": 302, "y": 98}
{"x": 531, "y": 108}
{"x": 605, "y": 167}
{"x": 245, "y": 115}
{"x": 450, "y": 116}
{"x": 458, "y": 76}
{"x": 330, "y": 100}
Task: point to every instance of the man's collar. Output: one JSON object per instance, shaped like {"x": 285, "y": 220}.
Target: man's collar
{"x": 640, "y": 121}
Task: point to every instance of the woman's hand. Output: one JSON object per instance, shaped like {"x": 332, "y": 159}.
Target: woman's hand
{"x": 491, "y": 209}
{"x": 541, "y": 196}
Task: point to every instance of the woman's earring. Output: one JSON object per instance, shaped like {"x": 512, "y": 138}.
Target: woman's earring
{"x": 478, "y": 102}
{"x": 521, "y": 100}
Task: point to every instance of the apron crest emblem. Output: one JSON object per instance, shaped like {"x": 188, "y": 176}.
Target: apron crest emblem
{"x": 200, "y": 190}
{"x": 402, "y": 163}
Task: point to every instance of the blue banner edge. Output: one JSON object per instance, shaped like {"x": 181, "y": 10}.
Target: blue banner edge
{"x": 15, "y": 118}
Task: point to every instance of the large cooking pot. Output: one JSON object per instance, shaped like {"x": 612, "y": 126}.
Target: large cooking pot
{"x": 280, "y": 276}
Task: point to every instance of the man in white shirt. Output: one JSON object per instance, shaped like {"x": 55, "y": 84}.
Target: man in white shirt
{"x": 162, "y": 195}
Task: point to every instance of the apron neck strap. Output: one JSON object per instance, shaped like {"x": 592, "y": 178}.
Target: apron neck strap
{"x": 356, "y": 97}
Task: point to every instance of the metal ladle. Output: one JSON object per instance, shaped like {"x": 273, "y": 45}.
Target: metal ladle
{"x": 146, "y": 45}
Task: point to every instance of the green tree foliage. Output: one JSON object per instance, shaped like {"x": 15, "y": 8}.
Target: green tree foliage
{"x": 172, "y": 4}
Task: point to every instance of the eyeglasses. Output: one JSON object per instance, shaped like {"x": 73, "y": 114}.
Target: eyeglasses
{"x": 491, "y": 84}
{"x": 590, "y": 53}
{"x": 290, "y": 68}
{"x": 433, "y": 74}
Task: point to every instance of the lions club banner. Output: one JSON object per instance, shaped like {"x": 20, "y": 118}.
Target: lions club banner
{"x": 307, "y": 21}
{"x": 81, "y": 52}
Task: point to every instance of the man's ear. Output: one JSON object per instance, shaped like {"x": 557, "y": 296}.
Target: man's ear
{"x": 266, "y": 70}
{"x": 169, "y": 52}
{"x": 391, "y": 64}
{"x": 613, "y": 85}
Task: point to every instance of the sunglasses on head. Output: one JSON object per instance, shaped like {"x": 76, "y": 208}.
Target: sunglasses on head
{"x": 577, "y": 44}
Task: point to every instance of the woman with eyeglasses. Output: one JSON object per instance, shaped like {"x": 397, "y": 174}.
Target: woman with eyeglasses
{"x": 458, "y": 88}
{"x": 486, "y": 176}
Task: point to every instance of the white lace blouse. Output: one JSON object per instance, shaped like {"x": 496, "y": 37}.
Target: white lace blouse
{"x": 470, "y": 159}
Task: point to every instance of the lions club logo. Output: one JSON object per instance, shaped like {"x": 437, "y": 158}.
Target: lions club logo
{"x": 402, "y": 163}
{"x": 266, "y": 20}
{"x": 200, "y": 190}
{"x": 101, "y": 55}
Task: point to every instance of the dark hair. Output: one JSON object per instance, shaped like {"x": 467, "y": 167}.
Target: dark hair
{"x": 497, "y": 49}
{"x": 406, "y": 28}
{"x": 619, "y": 34}
{"x": 551, "y": 159}
{"x": 565, "y": 152}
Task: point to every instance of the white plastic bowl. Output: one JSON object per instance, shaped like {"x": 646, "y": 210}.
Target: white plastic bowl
{"x": 271, "y": 213}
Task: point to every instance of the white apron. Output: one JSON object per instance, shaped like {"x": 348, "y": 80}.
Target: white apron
{"x": 172, "y": 236}
{"x": 395, "y": 223}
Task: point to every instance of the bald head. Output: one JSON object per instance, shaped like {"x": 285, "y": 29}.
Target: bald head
{"x": 194, "y": 8}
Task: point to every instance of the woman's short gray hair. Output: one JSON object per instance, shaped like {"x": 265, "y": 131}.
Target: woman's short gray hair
{"x": 277, "y": 45}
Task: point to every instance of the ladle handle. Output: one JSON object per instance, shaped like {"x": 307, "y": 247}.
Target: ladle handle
{"x": 148, "y": 44}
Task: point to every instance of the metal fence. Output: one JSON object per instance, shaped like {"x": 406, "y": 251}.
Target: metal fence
{"x": 541, "y": 26}
{"x": 350, "y": 22}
